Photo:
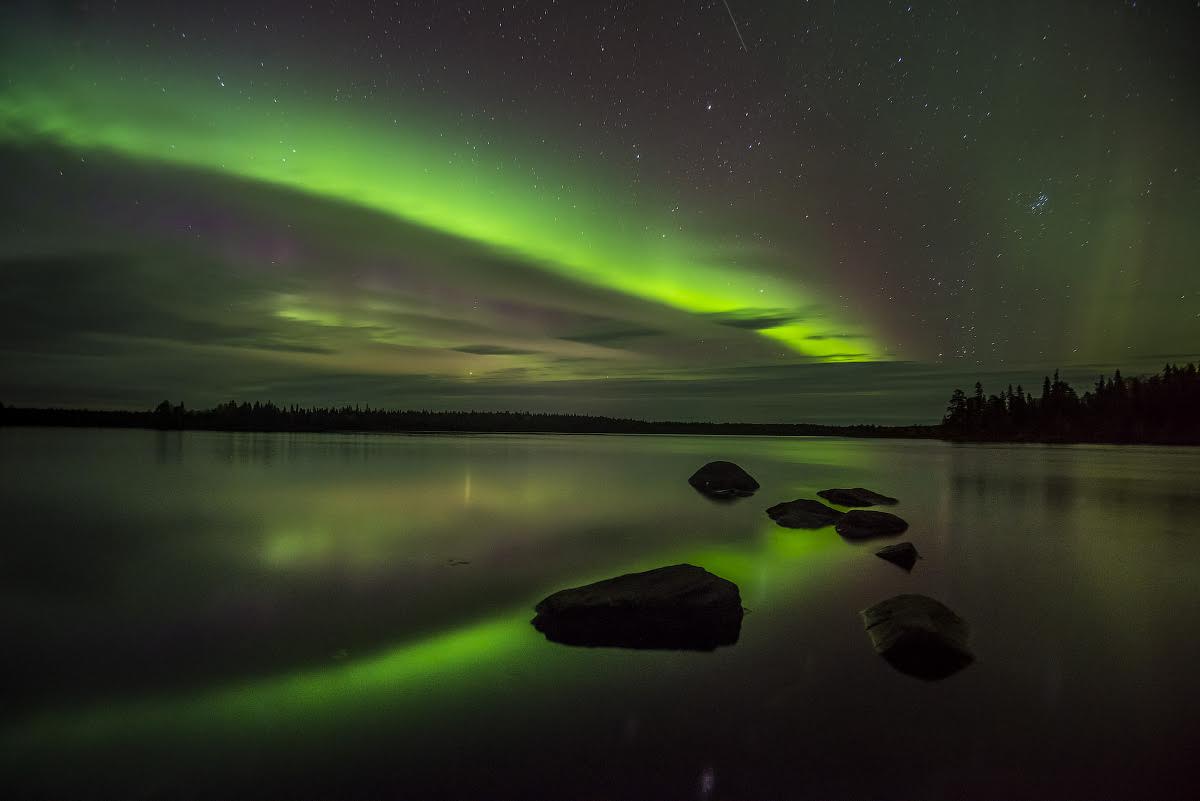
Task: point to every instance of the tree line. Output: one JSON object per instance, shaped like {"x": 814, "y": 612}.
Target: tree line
{"x": 268, "y": 416}
{"x": 1161, "y": 408}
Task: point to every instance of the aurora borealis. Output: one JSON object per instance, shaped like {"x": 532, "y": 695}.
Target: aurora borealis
{"x": 608, "y": 208}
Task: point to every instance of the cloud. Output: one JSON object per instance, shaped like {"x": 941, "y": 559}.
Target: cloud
{"x": 751, "y": 320}
{"x": 822, "y": 337}
{"x": 616, "y": 335}
{"x": 283, "y": 347}
{"x": 493, "y": 350}
{"x": 59, "y": 301}
{"x": 759, "y": 319}
{"x": 1174, "y": 357}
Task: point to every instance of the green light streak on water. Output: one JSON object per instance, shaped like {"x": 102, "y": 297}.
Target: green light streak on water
{"x": 414, "y": 678}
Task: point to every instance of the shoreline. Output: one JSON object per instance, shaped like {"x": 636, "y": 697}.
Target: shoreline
{"x": 780, "y": 430}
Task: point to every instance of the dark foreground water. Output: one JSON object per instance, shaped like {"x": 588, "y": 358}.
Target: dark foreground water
{"x": 228, "y": 616}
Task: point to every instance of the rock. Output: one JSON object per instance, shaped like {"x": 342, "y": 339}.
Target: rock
{"x": 802, "y": 513}
{"x": 681, "y": 607}
{"x": 856, "y": 496}
{"x": 918, "y": 636}
{"x": 860, "y": 525}
{"x": 902, "y": 553}
{"x": 723, "y": 480}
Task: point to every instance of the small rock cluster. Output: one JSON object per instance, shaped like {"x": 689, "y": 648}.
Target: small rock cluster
{"x": 686, "y": 607}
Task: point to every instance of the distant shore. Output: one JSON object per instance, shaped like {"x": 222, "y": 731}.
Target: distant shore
{"x": 268, "y": 418}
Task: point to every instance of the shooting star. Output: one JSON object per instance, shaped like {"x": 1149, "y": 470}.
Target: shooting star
{"x": 735, "y": 25}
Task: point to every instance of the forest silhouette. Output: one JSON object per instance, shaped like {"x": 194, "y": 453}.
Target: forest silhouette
{"x": 268, "y": 416}
{"x": 1163, "y": 408}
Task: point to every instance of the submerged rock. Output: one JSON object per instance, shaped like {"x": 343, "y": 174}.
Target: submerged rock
{"x": 918, "y": 636}
{"x": 681, "y": 607}
{"x": 723, "y": 480}
{"x": 860, "y": 525}
{"x": 856, "y": 496}
{"x": 803, "y": 513}
{"x": 903, "y": 554}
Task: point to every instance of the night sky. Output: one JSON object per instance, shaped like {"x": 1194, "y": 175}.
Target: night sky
{"x": 790, "y": 211}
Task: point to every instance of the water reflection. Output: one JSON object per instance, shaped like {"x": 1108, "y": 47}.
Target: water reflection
{"x": 310, "y": 616}
{"x": 168, "y": 447}
{"x": 652, "y": 633}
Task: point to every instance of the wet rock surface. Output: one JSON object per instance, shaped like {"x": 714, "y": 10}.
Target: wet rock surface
{"x": 918, "y": 636}
{"x": 859, "y": 525}
{"x": 680, "y": 607}
{"x": 856, "y": 496}
{"x": 903, "y": 554}
{"x": 803, "y": 513}
{"x": 723, "y": 480}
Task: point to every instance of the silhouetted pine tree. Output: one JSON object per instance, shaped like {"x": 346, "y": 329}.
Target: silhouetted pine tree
{"x": 1160, "y": 408}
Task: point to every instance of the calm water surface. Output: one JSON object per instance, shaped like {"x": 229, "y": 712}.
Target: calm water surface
{"x": 227, "y": 616}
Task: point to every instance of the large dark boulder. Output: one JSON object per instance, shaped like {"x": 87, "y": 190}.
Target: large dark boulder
{"x": 802, "y": 513}
{"x": 903, "y": 554}
{"x": 681, "y": 607}
{"x": 918, "y": 636}
{"x": 856, "y": 496}
{"x": 723, "y": 480}
{"x": 860, "y": 525}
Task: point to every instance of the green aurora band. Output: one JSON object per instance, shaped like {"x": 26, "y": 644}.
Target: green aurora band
{"x": 401, "y": 169}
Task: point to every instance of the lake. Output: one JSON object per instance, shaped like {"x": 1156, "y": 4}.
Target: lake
{"x": 278, "y": 616}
